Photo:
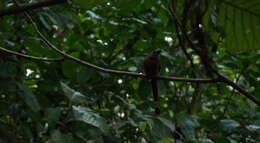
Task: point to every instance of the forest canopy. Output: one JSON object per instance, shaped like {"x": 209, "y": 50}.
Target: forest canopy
{"x": 72, "y": 71}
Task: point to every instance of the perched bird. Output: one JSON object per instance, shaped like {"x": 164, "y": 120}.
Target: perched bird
{"x": 151, "y": 66}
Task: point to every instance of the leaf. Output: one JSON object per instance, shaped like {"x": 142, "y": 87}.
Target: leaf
{"x": 132, "y": 69}
{"x": 207, "y": 141}
{"x": 88, "y": 3}
{"x": 86, "y": 115}
{"x": 127, "y": 6}
{"x": 70, "y": 69}
{"x": 187, "y": 124}
{"x": 30, "y": 99}
{"x": 5, "y": 70}
{"x": 84, "y": 75}
{"x": 58, "y": 137}
{"x": 167, "y": 123}
{"x": 44, "y": 22}
{"x": 240, "y": 21}
{"x": 52, "y": 115}
{"x": 74, "y": 96}
{"x": 159, "y": 131}
{"x": 128, "y": 105}
{"x": 222, "y": 140}
{"x": 228, "y": 125}
{"x": 254, "y": 128}
{"x": 166, "y": 54}
{"x": 2, "y": 5}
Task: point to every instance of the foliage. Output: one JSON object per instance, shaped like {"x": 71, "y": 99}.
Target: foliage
{"x": 64, "y": 101}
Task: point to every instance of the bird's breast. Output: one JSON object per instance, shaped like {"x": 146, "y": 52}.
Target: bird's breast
{"x": 151, "y": 65}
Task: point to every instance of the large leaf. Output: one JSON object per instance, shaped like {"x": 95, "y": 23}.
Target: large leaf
{"x": 74, "y": 96}
{"x": 30, "y": 99}
{"x": 52, "y": 115}
{"x": 167, "y": 123}
{"x": 187, "y": 124}
{"x": 88, "y": 116}
{"x": 228, "y": 125}
{"x": 58, "y": 137}
{"x": 240, "y": 20}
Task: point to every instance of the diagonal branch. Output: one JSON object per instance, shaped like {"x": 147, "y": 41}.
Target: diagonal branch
{"x": 241, "y": 8}
{"x": 193, "y": 46}
{"x": 111, "y": 71}
{"x": 219, "y": 79}
{"x": 15, "y": 10}
{"x": 31, "y": 57}
{"x": 196, "y": 49}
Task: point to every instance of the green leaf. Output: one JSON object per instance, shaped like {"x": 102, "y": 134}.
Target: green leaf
{"x": 159, "y": 131}
{"x": 228, "y": 125}
{"x": 52, "y": 115}
{"x": 74, "y": 96}
{"x": 70, "y": 69}
{"x": 240, "y": 21}
{"x": 187, "y": 124}
{"x": 44, "y": 22}
{"x": 222, "y": 140}
{"x": 127, "y": 6}
{"x": 58, "y": 137}
{"x": 167, "y": 123}
{"x": 207, "y": 141}
{"x": 30, "y": 99}
{"x": 88, "y": 116}
{"x": 254, "y": 128}
{"x": 2, "y": 5}
{"x": 84, "y": 75}
{"x": 88, "y": 3}
{"x": 5, "y": 69}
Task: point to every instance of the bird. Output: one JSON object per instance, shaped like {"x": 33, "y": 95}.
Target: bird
{"x": 151, "y": 67}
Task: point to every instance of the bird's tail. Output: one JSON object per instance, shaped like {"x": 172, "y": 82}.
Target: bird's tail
{"x": 155, "y": 89}
{"x": 155, "y": 94}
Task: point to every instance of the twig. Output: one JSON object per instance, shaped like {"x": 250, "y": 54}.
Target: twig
{"x": 15, "y": 10}
{"x": 31, "y": 57}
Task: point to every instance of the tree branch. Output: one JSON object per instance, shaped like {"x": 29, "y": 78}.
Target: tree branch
{"x": 15, "y": 10}
{"x": 196, "y": 49}
{"x": 31, "y": 57}
{"x": 111, "y": 71}
{"x": 182, "y": 45}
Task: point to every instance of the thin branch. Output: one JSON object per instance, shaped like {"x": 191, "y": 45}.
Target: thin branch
{"x": 111, "y": 71}
{"x": 31, "y": 57}
{"x": 182, "y": 45}
{"x": 183, "y": 30}
{"x": 239, "y": 89}
{"x": 15, "y": 10}
{"x": 220, "y": 79}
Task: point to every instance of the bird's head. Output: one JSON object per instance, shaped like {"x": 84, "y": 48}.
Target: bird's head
{"x": 156, "y": 52}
